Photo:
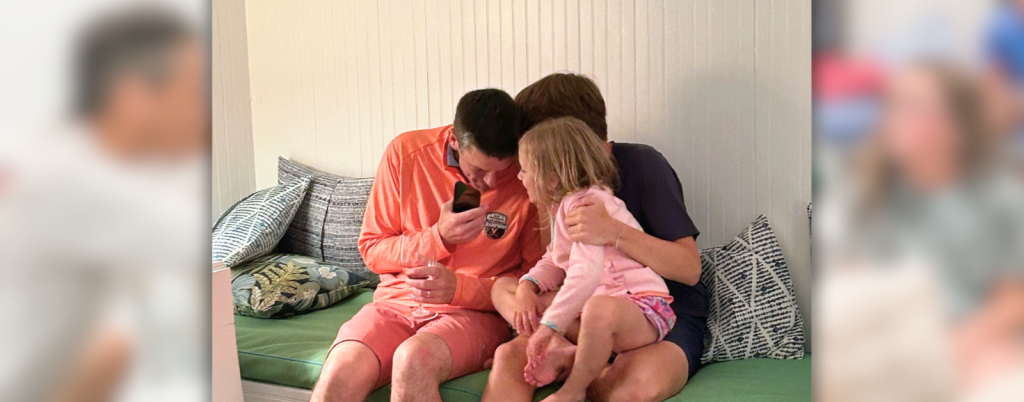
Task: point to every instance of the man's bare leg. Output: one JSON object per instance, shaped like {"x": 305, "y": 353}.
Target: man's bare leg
{"x": 651, "y": 373}
{"x": 506, "y": 382}
{"x": 421, "y": 364}
{"x": 608, "y": 324}
{"x": 349, "y": 374}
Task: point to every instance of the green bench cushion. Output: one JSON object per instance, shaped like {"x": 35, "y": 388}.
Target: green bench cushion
{"x": 291, "y": 351}
{"x": 761, "y": 380}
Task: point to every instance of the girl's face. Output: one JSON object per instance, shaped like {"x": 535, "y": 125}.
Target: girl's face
{"x": 918, "y": 132}
{"x": 526, "y": 174}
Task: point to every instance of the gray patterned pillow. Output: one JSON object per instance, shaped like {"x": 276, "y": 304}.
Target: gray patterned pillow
{"x": 344, "y": 222}
{"x": 752, "y": 307}
{"x": 305, "y": 235}
{"x": 253, "y": 226}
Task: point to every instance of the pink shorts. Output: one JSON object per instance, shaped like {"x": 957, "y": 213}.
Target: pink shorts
{"x": 471, "y": 336}
{"x": 658, "y": 312}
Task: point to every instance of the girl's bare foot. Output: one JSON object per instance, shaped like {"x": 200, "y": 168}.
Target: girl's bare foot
{"x": 550, "y": 363}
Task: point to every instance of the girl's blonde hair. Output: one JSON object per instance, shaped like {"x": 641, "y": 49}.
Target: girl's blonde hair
{"x": 567, "y": 150}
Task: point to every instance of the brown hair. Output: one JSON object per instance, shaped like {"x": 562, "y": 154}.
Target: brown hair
{"x": 560, "y": 95}
{"x": 566, "y": 149}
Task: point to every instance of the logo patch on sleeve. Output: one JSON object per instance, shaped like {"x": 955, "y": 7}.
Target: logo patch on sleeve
{"x": 495, "y": 225}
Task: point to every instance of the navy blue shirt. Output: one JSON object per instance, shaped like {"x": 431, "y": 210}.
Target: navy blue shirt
{"x": 652, "y": 193}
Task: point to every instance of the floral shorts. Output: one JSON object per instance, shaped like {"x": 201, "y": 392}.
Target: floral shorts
{"x": 657, "y": 311}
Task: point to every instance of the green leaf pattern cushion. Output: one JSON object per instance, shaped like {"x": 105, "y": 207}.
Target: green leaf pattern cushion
{"x": 283, "y": 285}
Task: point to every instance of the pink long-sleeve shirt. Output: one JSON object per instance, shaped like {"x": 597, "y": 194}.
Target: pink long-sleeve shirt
{"x": 584, "y": 270}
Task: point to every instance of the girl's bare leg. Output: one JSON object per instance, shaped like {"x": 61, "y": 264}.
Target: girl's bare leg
{"x": 608, "y": 324}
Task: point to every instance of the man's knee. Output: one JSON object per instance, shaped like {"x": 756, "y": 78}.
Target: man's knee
{"x": 509, "y": 361}
{"x": 422, "y": 354}
{"x": 648, "y": 374}
{"x": 511, "y": 351}
{"x": 351, "y": 366}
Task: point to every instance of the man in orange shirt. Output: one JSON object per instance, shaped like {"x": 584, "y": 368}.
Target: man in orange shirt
{"x": 411, "y": 204}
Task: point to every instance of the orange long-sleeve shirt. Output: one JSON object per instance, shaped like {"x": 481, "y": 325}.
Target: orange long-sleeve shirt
{"x": 415, "y": 177}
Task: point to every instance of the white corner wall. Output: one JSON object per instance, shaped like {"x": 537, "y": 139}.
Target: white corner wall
{"x": 233, "y": 173}
{"x": 721, "y": 87}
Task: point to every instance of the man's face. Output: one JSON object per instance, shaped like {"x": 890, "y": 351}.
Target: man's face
{"x": 482, "y": 171}
{"x": 168, "y": 118}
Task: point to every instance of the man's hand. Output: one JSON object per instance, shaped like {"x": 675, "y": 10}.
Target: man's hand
{"x": 536, "y": 353}
{"x": 539, "y": 341}
{"x": 590, "y": 223}
{"x": 462, "y": 227}
{"x": 527, "y": 315}
{"x": 440, "y": 289}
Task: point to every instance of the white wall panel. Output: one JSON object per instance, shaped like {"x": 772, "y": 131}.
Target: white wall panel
{"x": 720, "y": 87}
{"x": 232, "y": 173}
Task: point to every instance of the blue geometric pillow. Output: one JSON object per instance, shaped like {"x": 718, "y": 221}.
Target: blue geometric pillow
{"x": 752, "y": 309}
{"x": 253, "y": 226}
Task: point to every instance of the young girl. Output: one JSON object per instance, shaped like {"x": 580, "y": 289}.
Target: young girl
{"x": 607, "y": 301}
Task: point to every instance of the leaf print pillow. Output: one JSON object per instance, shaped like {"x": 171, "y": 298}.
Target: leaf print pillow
{"x": 283, "y": 285}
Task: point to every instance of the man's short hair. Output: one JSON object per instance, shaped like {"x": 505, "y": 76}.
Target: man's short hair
{"x": 139, "y": 40}
{"x": 487, "y": 119}
{"x": 561, "y": 95}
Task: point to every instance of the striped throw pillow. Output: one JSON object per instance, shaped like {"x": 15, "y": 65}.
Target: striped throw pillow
{"x": 253, "y": 226}
{"x": 305, "y": 234}
{"x": 344, "y": 223}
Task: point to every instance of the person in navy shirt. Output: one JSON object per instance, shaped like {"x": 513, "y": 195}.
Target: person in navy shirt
{"x": 653, "y": 194}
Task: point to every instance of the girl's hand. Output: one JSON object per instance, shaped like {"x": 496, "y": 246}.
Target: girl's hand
{"x": 526, "y": 317}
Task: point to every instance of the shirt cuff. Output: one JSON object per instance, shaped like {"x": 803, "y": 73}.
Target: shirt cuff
{"x": 442, "y": 250}
{"x": 460, "y": 283}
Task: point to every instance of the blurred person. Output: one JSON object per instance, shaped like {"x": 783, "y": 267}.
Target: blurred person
{"x": 106, "y": 208}
{"x": 140, "y": 85}
{"x": 931, "y": 206}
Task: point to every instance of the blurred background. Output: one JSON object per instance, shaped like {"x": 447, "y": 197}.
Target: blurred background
{"x": 919, "y": 236}
{"x": 104, "y": 177}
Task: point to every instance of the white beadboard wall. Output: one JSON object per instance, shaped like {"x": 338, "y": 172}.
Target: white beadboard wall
{"x": 233, "y": 169}
{"x": 721, "y": 87}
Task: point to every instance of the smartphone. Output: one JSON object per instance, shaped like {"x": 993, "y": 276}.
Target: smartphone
{"x": 466, "y": 198}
